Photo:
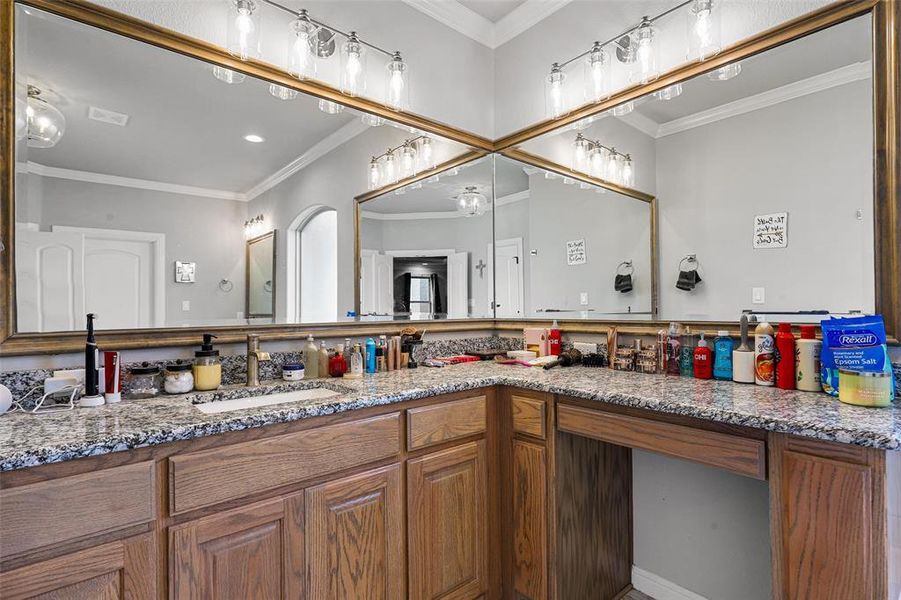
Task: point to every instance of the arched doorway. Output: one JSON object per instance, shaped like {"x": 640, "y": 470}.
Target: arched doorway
{"x": 312, "y": 261}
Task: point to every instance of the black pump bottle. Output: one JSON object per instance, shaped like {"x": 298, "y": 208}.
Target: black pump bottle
{"x": 91, "y": 359}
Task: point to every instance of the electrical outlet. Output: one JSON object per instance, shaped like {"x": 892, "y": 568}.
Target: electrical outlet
{"x": 583, "y": 298}
{"x": 758, "y": 295}
{"x": 186, "y": 305}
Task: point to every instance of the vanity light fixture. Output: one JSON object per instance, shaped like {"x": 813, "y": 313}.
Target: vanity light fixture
{"x": 725, "y": 73}
{"x": 254, "y": 138}
{"x": 397, "y": 96}
{"x": 281, "y": 92}
{"x": 471, "y": 203}
{"x": 668, "y": 93}
{"x": 254, "y": 227}
{"x": 45, "y": 123}
{"x": 372, "y": 120}
{"x": 243, "y": 32}
{"x": 227, "y": 75}
{"x": 636, "y": 47}
{"x": 301, "y": 43}
{"x": 412, "y": 156}
{"x": 603, "y": 162}
{"x": 331, "y": 108}
{"x": 353, "y": 66}
{"x": 623, "y": 109}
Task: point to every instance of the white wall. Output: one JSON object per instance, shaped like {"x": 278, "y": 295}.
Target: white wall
{"x": 218, "y": 250}
{"x": 451, "y": 75}
{"x": 521, "y": 64}
{"x": 799, "y": 156}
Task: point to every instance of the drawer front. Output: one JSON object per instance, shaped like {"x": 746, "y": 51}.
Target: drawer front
{"x": 528, "y": 416}
{"x": 70, "y": 508}
{"x": 740, "y": 455}
{"x": 432, "y": 425}
{"x": 211, "y": 476}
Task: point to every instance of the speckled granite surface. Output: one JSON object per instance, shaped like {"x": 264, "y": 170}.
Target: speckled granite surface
{"x": 29, "y": 440}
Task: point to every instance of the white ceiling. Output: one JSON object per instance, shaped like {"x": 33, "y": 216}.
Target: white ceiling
{"x": 170, "y": 99}
{"x": 493, "y": 10}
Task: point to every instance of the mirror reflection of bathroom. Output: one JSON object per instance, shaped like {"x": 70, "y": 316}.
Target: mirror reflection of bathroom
{"x": 261, "y": 264}
{"x": 425, "y": 250}
{"x": 569, "y": 250}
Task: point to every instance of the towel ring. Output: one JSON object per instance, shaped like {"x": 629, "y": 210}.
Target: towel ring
{"x": 267, "y": 287}
{"x": 691, "y": 259}
{"x": 628, "y": 270}
{"x": 226, "y": 285}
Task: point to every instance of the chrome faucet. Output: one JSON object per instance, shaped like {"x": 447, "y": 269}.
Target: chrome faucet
{"x": 254, "y": 356}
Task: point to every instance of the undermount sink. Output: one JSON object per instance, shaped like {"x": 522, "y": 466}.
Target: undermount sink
{"x": 224, "y": 401}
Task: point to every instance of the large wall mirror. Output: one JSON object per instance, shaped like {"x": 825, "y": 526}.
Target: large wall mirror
{"x": 763, "y": 167}
{"x": 144, "y": 172}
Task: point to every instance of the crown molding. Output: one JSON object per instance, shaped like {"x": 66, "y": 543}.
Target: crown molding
{"x": 811, "y": 85}
{"x": 476, "y": 27}
{"x": 447, "y": 214}
{"x": 317, "y": 151}
{"x": 642, "y": 123}
{"x": 142, "y": 184}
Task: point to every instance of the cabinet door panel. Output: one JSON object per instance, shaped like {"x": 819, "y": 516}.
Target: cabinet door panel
{"x": 251, "y": 552}
{"x": 529, "y": 520}
{"x": 448, "y": 504}
{"x": 355, "y": 543}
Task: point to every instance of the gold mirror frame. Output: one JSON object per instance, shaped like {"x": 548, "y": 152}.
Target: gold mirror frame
{"x": 887, "y": 168}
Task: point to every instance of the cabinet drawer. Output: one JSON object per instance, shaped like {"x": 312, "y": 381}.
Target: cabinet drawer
{"x": 432, "y": 425}
{"x": 740, "y": 455}
{"x": 66, "y": 509}
{"x": 211, "y": 476}
{"x": 528, "y": 416}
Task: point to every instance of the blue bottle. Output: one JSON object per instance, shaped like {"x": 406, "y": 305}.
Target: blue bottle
{"x": 370, "y": 355}
{"x": 722, "y": 356}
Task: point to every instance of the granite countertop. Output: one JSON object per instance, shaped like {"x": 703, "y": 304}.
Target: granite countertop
{"x": 28, "y": 440}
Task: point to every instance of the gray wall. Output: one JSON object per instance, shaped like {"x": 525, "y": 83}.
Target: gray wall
{"x": 207, "y": 231}
{"x": 812, "y": 157}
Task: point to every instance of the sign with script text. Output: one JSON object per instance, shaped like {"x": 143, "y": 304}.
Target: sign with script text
{"x": 575, "y": 252}
{"x": 771, "y": 231}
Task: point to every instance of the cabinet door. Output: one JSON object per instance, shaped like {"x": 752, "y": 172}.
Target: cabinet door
{"x": 355, "y": 543}
{"x": 251, "y": 552}
{"x": 448, "y": 504}
{"x": 113, "y": 571}
{"x": 530, "y": 537}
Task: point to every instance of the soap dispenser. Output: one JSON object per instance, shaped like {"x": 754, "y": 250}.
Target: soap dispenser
{"x": 207, "y": 366}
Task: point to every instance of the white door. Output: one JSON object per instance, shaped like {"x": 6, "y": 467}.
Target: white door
{"x": 509, "y": 281}
{"x": 376, "y": 283}
{"x": 123, "y": 277}
{"x": 49, "y": 281}
{"x": 458, "y": 285}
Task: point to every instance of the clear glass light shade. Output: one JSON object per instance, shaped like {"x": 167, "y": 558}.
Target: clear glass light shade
{"x": 623, "y": 109}
{"x": 555, "y": 99}
{"x": 389, "y": 169}
{"x": 628, "y": 172}
{"x": 703, "y": 20}
{"x": 596, "y": 76}
{"x": 471, "y": 203}
{"x": 407, "y": 160}
{"x": 613, "y": 167}
{"x": 45, "y": 123}
{"x": 21, "y": 118}
{"x": 372, "y": 120}
{"x": 301, "y": 59}
{"x": 375, "y": 174}
{"x": 227, "y": 75}
{"x": 353, "y": 66}
{"x": 426, "y": 154}
{"x": 281, "y": 92}
{"x": 397, "y": 92}
{"x": 581, "y": 149}
{"x": 597, "y": 162}
{"x": 644, "y": 69}
{"x": 725, "y": 73}
{"x": 243, "y": 29}
{"x": 668, "y": 93}
{"x": 331, "y": 108}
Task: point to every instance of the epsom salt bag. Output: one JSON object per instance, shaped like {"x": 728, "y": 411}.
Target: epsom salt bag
{"x": 855, "y": 343}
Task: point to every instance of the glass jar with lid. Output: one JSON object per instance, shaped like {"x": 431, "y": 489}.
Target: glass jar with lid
{"x": 142, "y": 381}
{"x": 207, "y": 366}
{"x": 179, "y": 377}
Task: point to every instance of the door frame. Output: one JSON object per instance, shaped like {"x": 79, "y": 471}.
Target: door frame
{"x": 517, "y": 241}
{"x": 158, "y": 247}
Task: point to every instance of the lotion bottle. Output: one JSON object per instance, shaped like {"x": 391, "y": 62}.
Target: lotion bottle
{"x": 323, "y": 360}
{"x": 764, "y": 355}
{"x": 807, "y": 360}
{"x": 703, "y": 360}
{"x": 311, "y": 358}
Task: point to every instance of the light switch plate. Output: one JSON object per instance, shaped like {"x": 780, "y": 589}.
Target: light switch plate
{"x": 758, "y": 295}
{"x": 583, "y": 298}
{"x": 186, "y": 305}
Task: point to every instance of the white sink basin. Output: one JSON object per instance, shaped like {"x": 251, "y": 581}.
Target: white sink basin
{"x": 221, "y": 406}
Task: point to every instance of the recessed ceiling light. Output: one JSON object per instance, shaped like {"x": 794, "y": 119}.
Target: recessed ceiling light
{"x": 254, "y": 138}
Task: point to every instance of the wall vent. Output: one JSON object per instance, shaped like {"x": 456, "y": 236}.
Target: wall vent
{"x": 107, "y": 116}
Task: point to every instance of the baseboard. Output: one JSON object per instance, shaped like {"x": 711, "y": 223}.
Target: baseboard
{"x": 659, "y": 588}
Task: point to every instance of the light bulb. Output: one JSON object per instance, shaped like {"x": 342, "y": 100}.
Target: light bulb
{"x": 580, "y": 153}
{"x": 352, "y": 73}
{"x": 243, "y": 35}
{"x": 596, "y": 166}
{"x": 281, "y": 92}
{"x": 646, "y": 55}
{"x": 628, "y": 174}
{"x": 375, "y": 175}
{"x": 301, "y": 61}
{"x": 703, "y": 30}
{"x": 408, "y": 160}
{"x": 554, "y": 92}
{"x": 612, "y": 167}
{"x": 725, "y": 73}
{"x": 397, "y": 94}
{"x": 596, "y": 74}
{"x": 227, "y": 75}
{"x": 390, "y": 171}
{"x": 426, "y": 158}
